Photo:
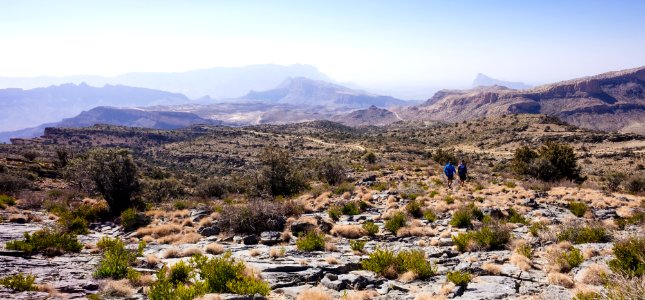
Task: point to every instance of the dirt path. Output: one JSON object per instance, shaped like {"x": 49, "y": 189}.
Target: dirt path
{"x": 317, "y": 141}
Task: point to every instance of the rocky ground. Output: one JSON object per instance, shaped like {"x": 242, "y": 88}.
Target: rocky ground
{"x": 336, "y": 272}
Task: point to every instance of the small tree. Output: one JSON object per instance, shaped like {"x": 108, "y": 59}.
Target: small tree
{"x": 115, "y": 175}
{"x": 279, "y": 174}
{"x": 331, "y": 171}
{"x": 370, "y": 157}
{"x": 551, "y": 162}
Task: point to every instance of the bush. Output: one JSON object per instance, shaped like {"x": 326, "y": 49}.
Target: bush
{"x": 371, "y": 228}
{"x": 414, "y": 208}
{"x": 279, "y": 174}
{"x": 350, "y": 208}
{"x": 180, "y": 273}
{"x": 46, "y": 241}
{"x": 573, "y": 257}
{"x": 331, "y": 171}
{"x": 19, "y": 282}
{"x": 551, "y": 162}
{"x": 395, "y": 222}
{"x": 214, "y": 187}
{"x": 536, "y": 227}
{"x": 635, "y": 185}
{"x": 430, "y": 215}
{"x": 613, "y": 180}
{"x": 334, "y": 212}
{"x": 490, "y": 237}
{"x": 629, "y": 257}
{"x": 116, "y": 260}
{"x": 587, "y": 296}
{"x": 581, "y": 234}
{"x": 256, "y": 216}
{"x": 162, "y": 190}
{"x": 132, "y": 219}
{"x": 6, "y": 200}
{"x": 462, "y": 217}
{"x": 357, "y": 245}
{"x": 343, "y": 187}
{"x": 525, "y": 250}
{"x": 115, "y": 175}
{"x": 515, "y": 217}
{"x": 370, "y": 157}
{"x": 164, "y": 289}
{"x": 578, "y": 209}
{"x": 311, "y": 241}
{"x": 442, "y": 157}
{"x": 226, "y": 275}
{"x": 386, "y": 263}
{"x": 10, "y": 183}
{"x": 458, "y": 278}
{"x": 449, "y": 199}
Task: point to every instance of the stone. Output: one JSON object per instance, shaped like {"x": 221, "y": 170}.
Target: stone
{"x": 491, "y": 287}
{"x": 299, "y": 227}
{"x": 270, "y": 238}
{"x": 209, "y": 230}
{"x": 251, "y": 239}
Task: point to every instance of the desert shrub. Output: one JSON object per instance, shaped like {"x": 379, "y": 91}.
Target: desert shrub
{"x": 463, "y": 216}
{"x": 161, "y": 190}
{"x": 386, "y": 263}
{"x": 536, "y": 227}
{"x": 458, "y": 278}
{"x": 635, "y": 185}
{"x": 76, "y": 219}
{"x": 578, "y": 209}
{"x": 613, "y": 180}
{"x": 311, "y": 241}
{"x": 343, "y": 187}
{"x": 621, "y": 287}
{"x": 489, "y": 237}
{"x": 116, "y": 260}
{"x": 331, "y": 171}
{"x": 371, "y": 228}
{"x": 256, "y": 216}
{"x": 449, "y": 199}
{"x": 19, "y": 282}
{"x": 637, "y": 218}
{"x": 350, "y": 208}
{"x": 224, "y": 274}
{"x": 46, "y": 241}
{"x": 180, "y": 273}
{"x": 279, "y": 175}
{"x": 131, "y": 219}
{"x": 525, "y": 250}
{"x": 6, "y": 200}
{"x": 357, "y": 245}
{"x": 165, "y": 289}
{"x": 551, "y": 162}
{"x": 587, "y": 296}
{"x": 515, "y": 217}
{"x": 10, "y": 183}
{"x": 580, "y": 234}
{"x": 414, "y": 208}
{"x": 214, "y": 187}
{"x": 573, "y": 257}
{"x": 430, "y": 215}
{"x": 442, "y": 156}
{"x": 397, "y": 221}
{"x": 629, "y": 257}
{"x": 334, "y": 212}
{"x": 370, "y": 157}
{"x": 114, "y": 173}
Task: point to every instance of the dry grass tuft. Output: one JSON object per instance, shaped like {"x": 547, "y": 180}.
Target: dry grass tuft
{"x": 277, "y": 252}
{"x": 117, "y": 289}
{"x": 492, "y": 268}
{"x": 157, "y": 231}
{"x": 408, "y": 276}
{"x": 332, "y": 260}
{"x": 594, "y": 274}
{"x": 190, "y": 251}
{"x": 588, "y": 253}
{"x": 209, "y": 297}
{"x": 50, "y": 289}
{"x": 143, "y": 280}
{"x": 214, "y": 248}
{"x": 560, "y": 279}
{"x": 314, "y": 294}
{"x": 521, "y": 261}
{"x": 447, "y": 288}
{"x": 349, "y": 231}
{"x": 207, "y": 221}
{"x": 172, "y": 253}
{"x": 429, "y": 296}
{"x": 418, "y": 231}
{"x": 361, "y": 295}
{"x": 255, "y": 252}
{"x": 152, "y": 260}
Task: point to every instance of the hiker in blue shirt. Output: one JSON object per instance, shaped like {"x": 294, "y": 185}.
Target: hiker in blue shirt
{"x": 462, "y": 171}
{"x": 449, "y": 170}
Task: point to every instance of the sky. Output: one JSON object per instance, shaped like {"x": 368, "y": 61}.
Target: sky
{"x": 371, "y": 43}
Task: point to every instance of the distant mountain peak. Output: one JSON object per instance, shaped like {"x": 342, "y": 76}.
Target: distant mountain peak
{"x": 485, "y": 80}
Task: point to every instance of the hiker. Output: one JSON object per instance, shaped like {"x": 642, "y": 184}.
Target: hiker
{"x": 462, "y": 171}
{"x": 449, "y": 170}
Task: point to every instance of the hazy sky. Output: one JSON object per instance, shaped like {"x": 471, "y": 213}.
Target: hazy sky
{"x": 367, "y": 42}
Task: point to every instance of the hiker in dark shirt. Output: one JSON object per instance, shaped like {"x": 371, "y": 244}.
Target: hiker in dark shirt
{"x": 462, "y": 171}
{"x": 449, "y": 171}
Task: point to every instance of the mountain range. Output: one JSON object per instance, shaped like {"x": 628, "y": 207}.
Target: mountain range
{"x": 217, "y": 83}
{"x": 483, "y": 80}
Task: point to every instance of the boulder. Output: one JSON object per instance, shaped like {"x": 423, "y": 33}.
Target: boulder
{"x": 299, "y": 227}
{"x": 270, "y": 238}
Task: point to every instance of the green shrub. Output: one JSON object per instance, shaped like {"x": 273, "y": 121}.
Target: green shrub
{"x": 370, "y": 157}
{"x": 115, "y": 175}
{"x": 635, "y": 185}
{"x": 19, "y": 282}
{"x": 578, "y": 209}
{"x": 613, "y": 180}
{"x": 551, "y": 162}
{"x": 311, "y": 241}
{"x": 637, "y": 218}
{"x": 257, "y": 216}
{"x": 131, "y": 219}
{"x": 397, "y": 221}
{"x": 581, "y": 234}
{"x": 629, "y": 257}
{"x": 162, "y": 190}
{"x": 371, "y": 228}
{"x": 573, "y": 257}
{"x": 386, "y": 263}
{"x": 350, "y": 208}
{"x": 429, "y": 215}
{"x": 46, "y": 241}
{"x": 524, "y": 249}
{"x": 490, "y": 237}
{"x": 116, "y": 260}
{"x": 442, "y": 156}
{"x": 458, "y": 278}
{"x": 343, "y": 187}
{"x": 462, "y": 217}
{"x": 433, "y": 193}
{"x": 279, "y": 175}
{"x": 331, "y": 171}
{"x": 224, "y": 274}
{"x": 449, "y": 199}
{"x": 334, "y": 212}
{"x": 587, "y": 296}
{"x": 6, "y": 200}
{"x": 414, "y": 208}
{"x": 515, "y": 217}
{"x": 11, "y": 183}
{"x": 180, "y": 273}
{"x": 536, "y": 227}
{"x": 164, "y": 289}
{"x": 357, "y": 245}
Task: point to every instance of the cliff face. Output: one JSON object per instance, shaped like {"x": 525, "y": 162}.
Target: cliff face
{"x": 613, "y": 101}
